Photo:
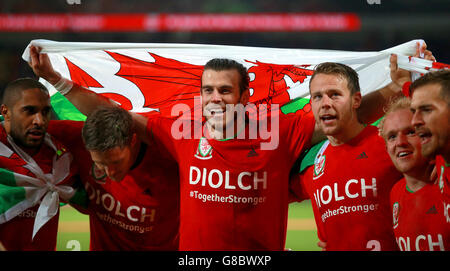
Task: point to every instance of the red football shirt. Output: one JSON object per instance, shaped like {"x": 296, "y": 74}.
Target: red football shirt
{"x": 16, "y": 234}
{"x": 141, "y": 212}
{"x": 418, "y": 219}
{"x": 234, "y": 194}
{"x": 349, "y": 187}
{"x": 443, "y": 173}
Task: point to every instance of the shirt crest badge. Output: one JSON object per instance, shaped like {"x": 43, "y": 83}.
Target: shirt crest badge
{"x": 204, "y": 150}
{"x": 395, "y": 214}
{"x": 319, "y": 161}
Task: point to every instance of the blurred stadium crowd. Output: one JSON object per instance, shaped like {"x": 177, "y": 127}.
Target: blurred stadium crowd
{"x": 133, "y": 6}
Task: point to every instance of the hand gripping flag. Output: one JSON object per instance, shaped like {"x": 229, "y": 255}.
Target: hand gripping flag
{"x": 148, "y": 77}
{"x": 19, "y": 192}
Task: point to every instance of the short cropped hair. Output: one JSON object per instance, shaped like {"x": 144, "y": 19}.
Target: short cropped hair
{"x": 222, "y": 64}
{"x": 339, "y": 69}
{"x": 107, "y": 128}
{"x": 13, "y": 91}
{"x": 395, "y": 105}
{"x": 441, "y": 77}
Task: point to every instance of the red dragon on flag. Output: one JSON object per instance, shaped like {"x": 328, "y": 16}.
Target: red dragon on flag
{"x": 166, "y": 82}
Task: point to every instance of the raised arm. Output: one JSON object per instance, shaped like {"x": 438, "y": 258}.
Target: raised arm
{"x": 82, "y": 98}
{"x": 373, "y": 104}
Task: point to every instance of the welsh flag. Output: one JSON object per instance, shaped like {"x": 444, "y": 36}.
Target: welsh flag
{"x": 19, "y": 192}
{"x": 152, "y": 77}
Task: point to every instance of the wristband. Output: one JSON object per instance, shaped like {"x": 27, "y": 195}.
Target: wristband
{"x": 405, "y": 89}
{"x": 63, "y": 86}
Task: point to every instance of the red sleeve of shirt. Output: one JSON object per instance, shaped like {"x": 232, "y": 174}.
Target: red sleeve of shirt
{"x": 297, "y": 190}
{"x": 67, "y": 132}
{"x": 159, "y": 132}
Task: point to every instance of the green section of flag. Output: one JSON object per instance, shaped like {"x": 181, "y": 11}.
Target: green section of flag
{"x": 10, "y": 194}
{"x": 378, "y": 121}
{"x": 7, "y": 177}
{"x": 64, "y": 109}
{"x": 294, "y": 105}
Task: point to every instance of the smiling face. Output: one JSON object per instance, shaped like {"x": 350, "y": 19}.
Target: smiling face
{"x": 431, "y": 119}
{"x": 27, "y": 119}
{"x": 219, "y": 91}
{"x": 402, "y": 143}
{"x": 333, "y": 105}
